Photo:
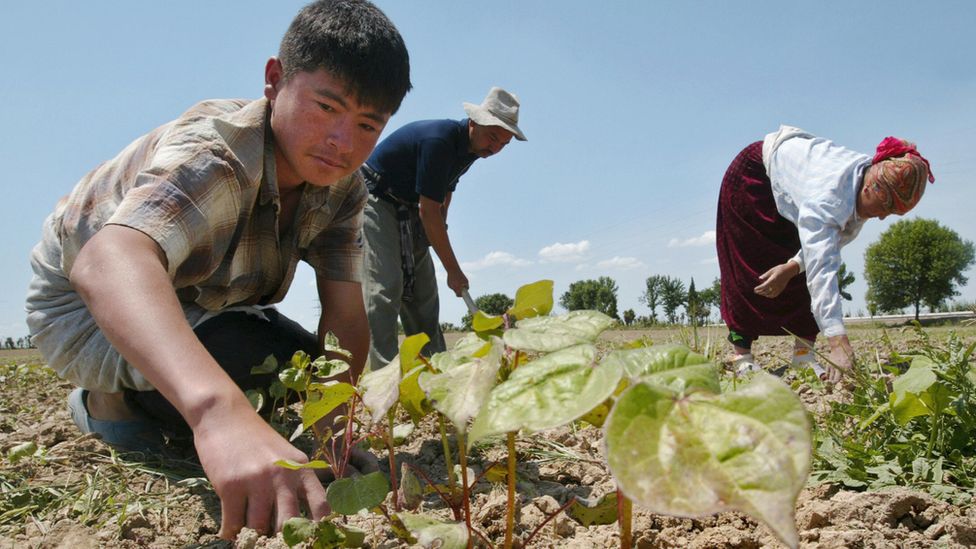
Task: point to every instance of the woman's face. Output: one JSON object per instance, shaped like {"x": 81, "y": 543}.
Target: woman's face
{"x": 874, "y": 200}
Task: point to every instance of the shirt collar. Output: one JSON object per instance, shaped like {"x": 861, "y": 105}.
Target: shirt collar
{"x": 464, "y": 139}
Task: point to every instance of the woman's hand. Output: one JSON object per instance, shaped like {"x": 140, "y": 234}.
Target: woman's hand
{"x": 775, "y": 279}
{"x": 841, "y": 358}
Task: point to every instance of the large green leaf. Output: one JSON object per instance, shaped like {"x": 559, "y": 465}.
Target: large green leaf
{"x": 459, "y": 392}
{"x": 350, "y": 495}
{"x": 412, "y": 397}
{"x": 532, "y": 300}
{"x": 546, "y": 393}
{"x": 432, "y": 532}
{"x": 410, "y": 350}
{"x": 551, "y": 333}
{"x": 331, "y": 397}
{"x": 380, "y": 389}
{"x": 466, "y": 349}
{"x": 329, "y": 367}
{"x": 481, "y": 322}
{"x": 692, "y": 455}
{"x": 909, "y": 391}
{"x": 674, "y": 366}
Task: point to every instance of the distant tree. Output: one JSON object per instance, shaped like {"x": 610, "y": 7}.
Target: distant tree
{"x": 915, "y": 262}
{"x": 673, "y": 295}
{"x": 710, "y": 297}
{"x": 844, "y": 279}
{"x": 490, "y": 304}
{"x": 629, "y": 316}
{"x": 449, "y": 327}
{"x": 692, "y": 304}
{"x": 599, "y": 295}
{"x": 652, "y": 294}
{"x": 9, "y": 344}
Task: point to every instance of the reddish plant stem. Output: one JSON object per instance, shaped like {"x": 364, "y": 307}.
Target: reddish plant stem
{"x": 392, "y": 456}
{"x": 484, "y": 473}
{"x": 455, "y": 508}
{"x": 550, "y": 517}
{"x": 624, "y": 517}
{"x": 510, "y": 517}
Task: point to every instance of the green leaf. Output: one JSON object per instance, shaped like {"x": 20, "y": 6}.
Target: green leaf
{"x": 670, "y": 365}
{"x": 348, "y": 496}
{"x": 332, "y": 397}
{"x": 748, "y": 450}
{"x": 917, "y": 392}
{"x": 297, "y": 529}
{"x": 411, "y": 492}
{"x": 331, "y": 344}
{"x": 598, "y": 415}
{"x": 380, "y": 389}
{"x": 295, "y": 379}
{"x": 532, "y": 300}
{"x": 547, "y": 392}
{"x": 919, "y": 377}
{"x": 402, "y": 432}
{"x": 551, "y": 333}
{"x": 294, "y": 465}
{"x": 269, "y": 365}
{"x": 459, "y": 392}
{"x": 412, "y": 397}
{"x": 598, "y": 511}
{"x": 300, "y": 360}
{"x": 484, "y": 323}
{"x": 430, "y": 531}
{"x": 256, "y": 398}
{"x": 471, "y": 346}
{"x": 329, "y": 367}
{"x": 21, "y": 451}
{"x": 410, "y": 350}
{"x": 277, "y": 390}
{"x": 319, "y": 535}
{"x": 355, "y": 537}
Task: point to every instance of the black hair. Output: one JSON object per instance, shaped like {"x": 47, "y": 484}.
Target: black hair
{"x": 357, "y": 43}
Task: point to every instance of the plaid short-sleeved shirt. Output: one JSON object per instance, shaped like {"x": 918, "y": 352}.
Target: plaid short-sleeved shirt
{"x": 204, "y": 188}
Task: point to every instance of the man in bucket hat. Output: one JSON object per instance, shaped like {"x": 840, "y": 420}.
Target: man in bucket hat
{"x": 411, "y": 176}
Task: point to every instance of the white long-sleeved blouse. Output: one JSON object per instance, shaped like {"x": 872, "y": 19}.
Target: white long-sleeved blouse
{"x": 815, "y": 184}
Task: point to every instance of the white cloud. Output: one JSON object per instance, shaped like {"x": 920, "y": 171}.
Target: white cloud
{"x": 565, "y": 253}
{"x": 495, "y": 259}
{"x": 621, "y": 263}
{"x": 708, "y": 237}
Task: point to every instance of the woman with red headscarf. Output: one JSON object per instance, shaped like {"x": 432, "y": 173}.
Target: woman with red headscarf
{"x": 788, "y": 204}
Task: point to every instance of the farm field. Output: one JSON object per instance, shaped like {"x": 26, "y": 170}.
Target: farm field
{"x": 73, "y": 492}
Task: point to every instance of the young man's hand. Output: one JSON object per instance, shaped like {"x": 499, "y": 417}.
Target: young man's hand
{"x": 120, "y": 273}
{"x": 456, "y": 281}
{"x": 237, "y": 450}
{"x": 775, "y": 279}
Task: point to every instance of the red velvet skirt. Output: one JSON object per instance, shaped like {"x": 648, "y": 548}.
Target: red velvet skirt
{"x": 752, "y": 237}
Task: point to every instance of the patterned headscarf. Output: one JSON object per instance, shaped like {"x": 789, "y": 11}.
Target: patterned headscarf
{"x": 902, "y": 172}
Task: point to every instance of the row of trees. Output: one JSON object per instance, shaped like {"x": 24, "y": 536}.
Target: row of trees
{"x": 915, "y": 262}
{"x": 19, "y": 343}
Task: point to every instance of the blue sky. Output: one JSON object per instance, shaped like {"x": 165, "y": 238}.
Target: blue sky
{"x": 633, "y": 111}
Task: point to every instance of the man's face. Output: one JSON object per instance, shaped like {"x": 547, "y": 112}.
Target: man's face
{"x": 487, "y": 140}
{"x": 322, "y": 133}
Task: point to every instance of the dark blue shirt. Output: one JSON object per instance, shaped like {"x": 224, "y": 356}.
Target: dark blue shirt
{"x": 426, "y": 158}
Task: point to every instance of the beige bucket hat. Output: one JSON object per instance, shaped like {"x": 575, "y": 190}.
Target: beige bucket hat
{"x": 499, "y": 108}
